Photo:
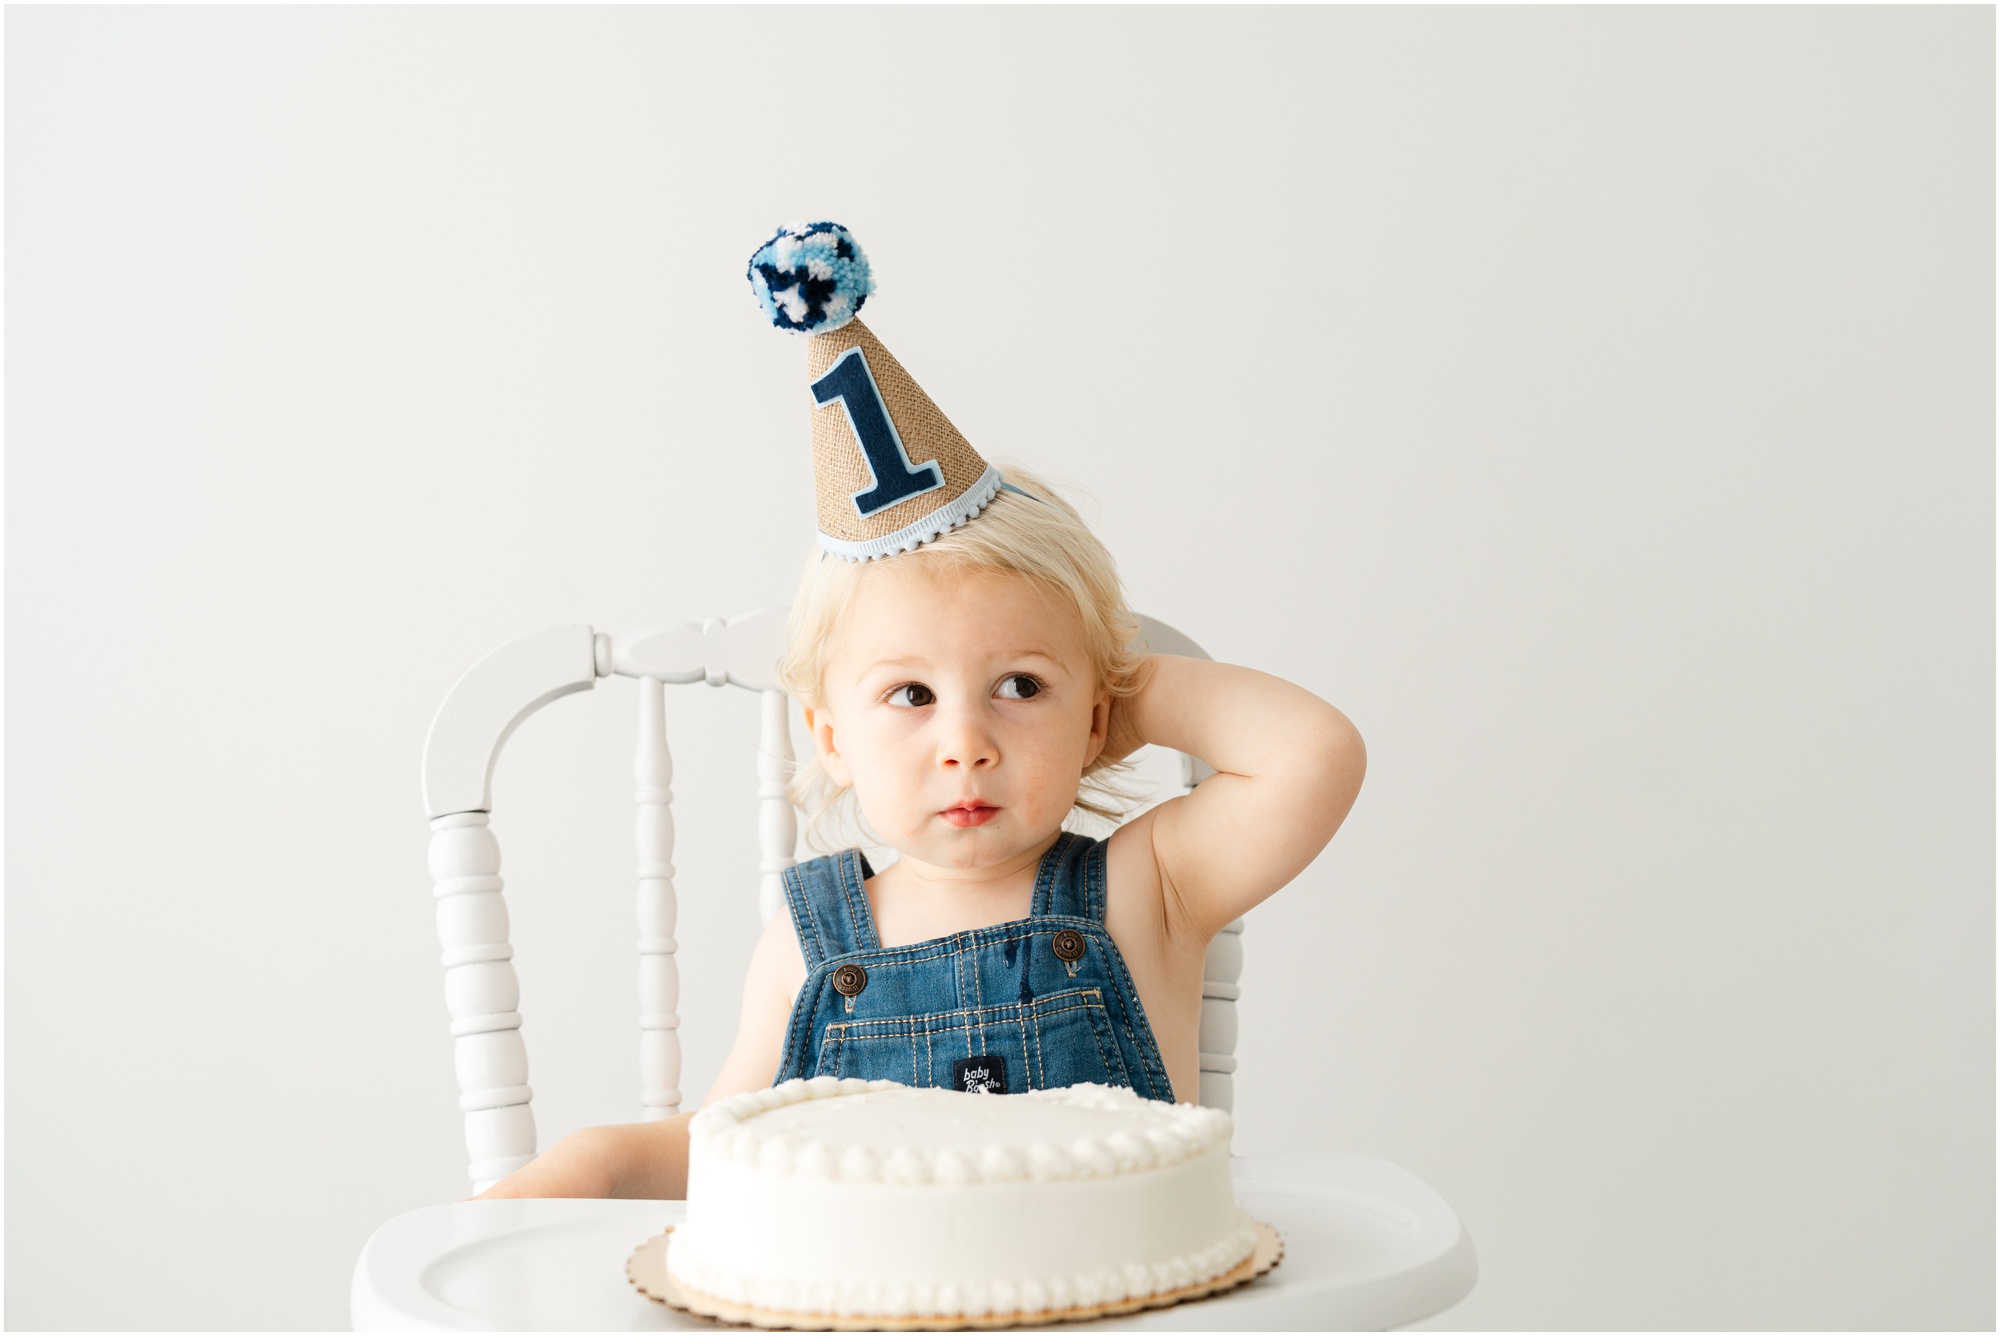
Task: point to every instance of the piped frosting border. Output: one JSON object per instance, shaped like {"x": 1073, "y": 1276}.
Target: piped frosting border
{"x": 892, "y": 1299}
{"x": 726, "y": 1131}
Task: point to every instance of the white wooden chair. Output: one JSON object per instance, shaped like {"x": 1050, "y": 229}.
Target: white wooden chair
{"x": 482, "y": 992}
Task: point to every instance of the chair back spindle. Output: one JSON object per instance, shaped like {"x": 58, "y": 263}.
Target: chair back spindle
{"x": 659, "y": 973}
{"x": 1221, "y": 969}
{"x": 483, "y": 996}
{"x": 777, "y": 819}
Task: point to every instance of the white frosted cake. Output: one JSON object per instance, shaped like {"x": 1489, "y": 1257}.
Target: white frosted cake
{"x": 867, "y": 1198}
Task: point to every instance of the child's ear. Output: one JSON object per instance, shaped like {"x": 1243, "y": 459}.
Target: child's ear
{"x": 1100, "y": 727}
{"x": 820, "y": 724}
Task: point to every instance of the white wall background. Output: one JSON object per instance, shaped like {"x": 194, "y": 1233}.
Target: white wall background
{"x": 1597, "y": 404}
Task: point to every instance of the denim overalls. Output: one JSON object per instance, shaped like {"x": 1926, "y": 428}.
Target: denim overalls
{"x": 1037, "y": 1003}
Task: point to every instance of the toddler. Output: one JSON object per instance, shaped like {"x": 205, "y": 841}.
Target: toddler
{"x": 962, "y": 656}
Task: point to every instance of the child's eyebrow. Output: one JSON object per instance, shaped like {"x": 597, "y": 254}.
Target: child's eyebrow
{"x": 917, "y": 661}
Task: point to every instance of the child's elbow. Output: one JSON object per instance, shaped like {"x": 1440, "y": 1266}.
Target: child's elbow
{"x": 1333, "y": 753}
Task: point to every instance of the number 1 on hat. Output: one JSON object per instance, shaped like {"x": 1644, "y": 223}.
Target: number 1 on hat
{"x": 850, "y": 382}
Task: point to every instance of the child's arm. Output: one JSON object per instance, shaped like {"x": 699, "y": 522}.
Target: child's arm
{"x": 622, "y": 1160}
{"x": 1288, "y": 766}
{"x": 650, "y": 1159}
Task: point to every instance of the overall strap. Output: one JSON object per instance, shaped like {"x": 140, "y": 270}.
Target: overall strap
{"x": 830, "y": 907}
{"x": 1070, "y": 881}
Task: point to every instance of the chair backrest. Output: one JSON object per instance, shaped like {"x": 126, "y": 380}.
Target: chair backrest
{"x": 482, "y": 992}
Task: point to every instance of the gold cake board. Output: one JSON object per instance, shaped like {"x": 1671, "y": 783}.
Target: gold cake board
{"x": 646, "y": 1268}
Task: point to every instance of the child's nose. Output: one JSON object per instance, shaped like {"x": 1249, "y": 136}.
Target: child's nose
{"x": 965, "y": 742}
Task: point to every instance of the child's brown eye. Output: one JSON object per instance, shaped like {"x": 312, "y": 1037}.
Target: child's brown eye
{"x": 1018, "y": 687}
{"x": 912, "y": 694}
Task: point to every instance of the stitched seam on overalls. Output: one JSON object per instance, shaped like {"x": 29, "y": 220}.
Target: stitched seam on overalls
{"x": 1039, "y": 1079}
{"x": 979, "y": 1003}
{"x": 951, "y": 1018}
{"x": 1022, "y": 1023}
{"x": 1128, "y": 995}
{"x": 1037, "y": 1021}
{"x": 794, "y": 1038}
{"x": 958, "y": 985}
{"x": 826, "y": 923}
{"x": 1084, "y": 999}
{"x": 845, "y": 1039}
{"x": 1095, "y": 904}
{"x": 1114, "y": 1061}
{"x": 918, "y": 953}
{"x": 801, "y": 906}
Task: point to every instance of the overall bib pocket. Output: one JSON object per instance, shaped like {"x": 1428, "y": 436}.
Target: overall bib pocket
{"x": 1059, "y": 1040}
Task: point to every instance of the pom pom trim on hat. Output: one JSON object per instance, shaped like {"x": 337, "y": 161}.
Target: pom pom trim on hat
{"x": 810, "y": 278}
{"x": 934, "y": 525}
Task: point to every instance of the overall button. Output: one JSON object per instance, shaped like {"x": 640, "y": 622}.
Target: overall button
{"x": 849, "y": 980}
{"x": 1069, "y": 945}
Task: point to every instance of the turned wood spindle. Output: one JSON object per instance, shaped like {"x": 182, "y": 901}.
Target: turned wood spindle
{"x": 659, "y": 973}
{"x": 483, "y": 996}
{"x": 1221, "y": 971}
{"x": 777, "y": 820}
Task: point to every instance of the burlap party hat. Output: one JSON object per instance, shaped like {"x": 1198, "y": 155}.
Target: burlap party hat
{"x": 890, "y": 470}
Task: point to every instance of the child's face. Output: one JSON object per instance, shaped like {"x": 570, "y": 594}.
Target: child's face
{"x": 962, "y": 708}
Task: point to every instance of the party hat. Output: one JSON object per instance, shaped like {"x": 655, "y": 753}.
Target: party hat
{"x": 890, "y": 470}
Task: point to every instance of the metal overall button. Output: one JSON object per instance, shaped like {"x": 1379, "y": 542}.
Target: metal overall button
{"x": 848, "y": 981}
{"x": 1068, "y": 945}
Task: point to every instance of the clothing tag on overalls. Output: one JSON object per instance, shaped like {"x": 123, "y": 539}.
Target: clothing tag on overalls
{"x": 980, "y": 1076}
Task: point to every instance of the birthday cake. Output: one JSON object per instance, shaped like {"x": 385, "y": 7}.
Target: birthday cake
{"x": 858, "y": 1199}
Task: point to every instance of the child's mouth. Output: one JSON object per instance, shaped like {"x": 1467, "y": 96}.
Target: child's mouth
{"x": 969, "y": 814}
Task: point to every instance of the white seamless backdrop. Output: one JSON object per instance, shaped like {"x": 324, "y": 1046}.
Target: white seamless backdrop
{"x": 1597, "y": 404}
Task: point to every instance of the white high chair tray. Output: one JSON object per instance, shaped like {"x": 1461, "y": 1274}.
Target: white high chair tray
{"x": 1368, "y": 1246}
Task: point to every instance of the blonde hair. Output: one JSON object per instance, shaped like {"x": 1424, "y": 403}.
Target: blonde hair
{"x": 1040, "y": 536}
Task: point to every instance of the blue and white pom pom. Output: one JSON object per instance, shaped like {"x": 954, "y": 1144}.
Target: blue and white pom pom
{"x": 811, "y": 278}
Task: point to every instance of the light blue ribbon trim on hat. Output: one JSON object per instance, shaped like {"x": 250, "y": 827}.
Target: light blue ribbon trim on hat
{"x": 1006, "y": 486}
{"x": 911, "y": 536}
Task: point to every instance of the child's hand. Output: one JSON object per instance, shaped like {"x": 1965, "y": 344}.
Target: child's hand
{"x": 1121, "y": 736}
